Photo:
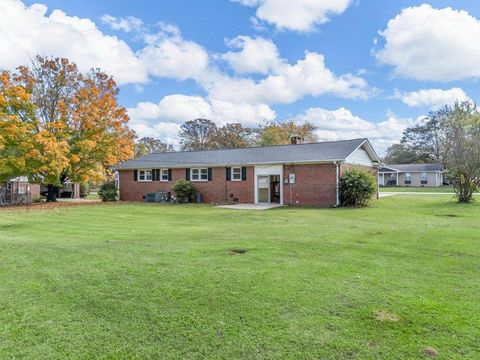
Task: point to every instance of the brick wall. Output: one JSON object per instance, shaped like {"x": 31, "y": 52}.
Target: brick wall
{"x": 314, "y": 185}
{"x": 217, "y": 190}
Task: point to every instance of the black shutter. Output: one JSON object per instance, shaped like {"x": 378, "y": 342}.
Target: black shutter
{"x": 169, "y": 174}
{"x": 155, "y": 174}
{"x": 135, "y": 175}
{"x": 244, "y": 173}
{"x": 228, "y": 173}
{"x": 209, "y": 174}
{"x": 187, "y": 174}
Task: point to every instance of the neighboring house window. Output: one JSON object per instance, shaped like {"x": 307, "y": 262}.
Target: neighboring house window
{"x": 164, "y": 175}
{"x": 199, "y": 174}
{"x": 21, "y": 189}
{"x": 236, "y": 174}
{"x": 423, "y": 178}
{"x": 144, "y": 175}
{"x": 408, "y": 178}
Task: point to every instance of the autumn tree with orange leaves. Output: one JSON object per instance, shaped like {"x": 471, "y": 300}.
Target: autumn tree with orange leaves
{"x": 69, "y": 125}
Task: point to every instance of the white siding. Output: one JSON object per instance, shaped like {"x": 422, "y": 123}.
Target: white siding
{"x": 359, "y": 157}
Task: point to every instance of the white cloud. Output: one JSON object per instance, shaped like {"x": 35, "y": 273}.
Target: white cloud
{"x": 342, "y": 124}
{"x": 127, "y": 24}
{"x": 433, "y": 98}
{"x": 289, "y": 83}
{"x": 171, "y": 56}
{"x": 163, "y": 119}
{"x": 256, "y": 55}
{"x": 26, "y": 31}
{"x": 425, "y": 43}
{"x": 297, "y": 15}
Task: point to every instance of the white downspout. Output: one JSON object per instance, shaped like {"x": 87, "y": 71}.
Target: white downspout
{"x": 337, "y": 177}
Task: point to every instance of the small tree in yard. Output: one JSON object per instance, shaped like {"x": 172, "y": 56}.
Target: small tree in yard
{"x": 356, "y": 187}
{"x": 108, "y": 192}
{"x": 460, "y": 146}
{"x": 184, "y": 190}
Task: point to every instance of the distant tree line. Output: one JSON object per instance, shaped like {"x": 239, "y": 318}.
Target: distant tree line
{"x": 204, "y": 134}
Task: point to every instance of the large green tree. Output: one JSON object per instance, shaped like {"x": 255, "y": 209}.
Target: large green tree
{"x": 197, "y": 134}
{"x": 424, "y": 139}
{"x": 203, "y": 134}
{"x": 231, "y": 136}
{"x": 401, "y": 154}
{"x": 148, "y": 145}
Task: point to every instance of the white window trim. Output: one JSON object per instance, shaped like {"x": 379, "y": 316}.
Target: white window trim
{"x": 145, "y": 175}
{"x": 231, "y": 173}
{"x": 161, "y": 175}
{"x": 199, "y": 174}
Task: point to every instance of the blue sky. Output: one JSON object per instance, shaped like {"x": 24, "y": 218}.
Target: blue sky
{"x": 352, "y": 67}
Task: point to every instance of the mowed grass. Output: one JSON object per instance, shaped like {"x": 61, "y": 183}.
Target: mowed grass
{"x": 140, "y": 281}
{"x": 440, "y": 189}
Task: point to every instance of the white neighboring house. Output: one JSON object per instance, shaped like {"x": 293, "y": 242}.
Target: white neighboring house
{"x": 427, "y": 175}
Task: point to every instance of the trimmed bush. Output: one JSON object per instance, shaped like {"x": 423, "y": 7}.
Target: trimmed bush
{"x": 108, "y": 192}
{"x": 184, "y": 190}
{"x": 356, "y": 187}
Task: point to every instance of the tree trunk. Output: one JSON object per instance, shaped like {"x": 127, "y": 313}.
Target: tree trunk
{"x": 52, "y": 193}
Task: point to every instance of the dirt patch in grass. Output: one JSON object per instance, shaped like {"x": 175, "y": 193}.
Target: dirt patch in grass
{"x": 237, "y": 251}
{"x": 430, "y": 351}
{"x": 448, "y": 215}
{"x": 385, "y": 316}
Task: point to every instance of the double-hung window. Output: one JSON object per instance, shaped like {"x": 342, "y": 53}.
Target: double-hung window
{"x": 236, "y": 174}
{"x": 199, "y": 174}
{"x": 164, "y": 175}
{"x": 423, "y": 178}
{"x": 144, "y": 175}
{"x": 408, "y": 179}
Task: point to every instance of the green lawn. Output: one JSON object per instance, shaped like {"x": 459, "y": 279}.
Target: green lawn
{"x": 440, "y": 189}
{"x": 139, "y": 281}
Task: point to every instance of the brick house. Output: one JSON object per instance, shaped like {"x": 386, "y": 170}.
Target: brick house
{"x": 18, "y": 190}
{"x": 295, "y": 174}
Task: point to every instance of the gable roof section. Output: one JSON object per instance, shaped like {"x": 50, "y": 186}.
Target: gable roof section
{"x": 415, "y": 167}
{"x": 279, "y": 154}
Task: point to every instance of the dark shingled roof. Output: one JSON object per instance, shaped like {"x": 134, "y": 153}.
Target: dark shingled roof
{"x": 323, "y": 151}
{"x": 414, "y": 167}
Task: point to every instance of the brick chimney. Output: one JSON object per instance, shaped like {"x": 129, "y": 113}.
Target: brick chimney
{"x": 294, "y": 140}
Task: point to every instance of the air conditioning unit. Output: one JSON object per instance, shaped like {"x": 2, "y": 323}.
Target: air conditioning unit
{"x": 156, "y": 197}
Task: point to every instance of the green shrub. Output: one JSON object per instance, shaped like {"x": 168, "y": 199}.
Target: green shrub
{"x": 356, "y": 187}
{"x": 184, "y": 190}
{"x": 108, "y": 192}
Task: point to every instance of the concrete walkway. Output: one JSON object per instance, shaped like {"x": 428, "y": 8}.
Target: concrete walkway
{"x": 250, "y": 206}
